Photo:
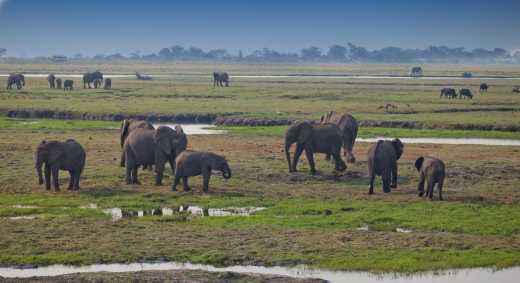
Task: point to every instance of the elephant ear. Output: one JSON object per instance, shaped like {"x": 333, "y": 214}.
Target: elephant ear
{"x": 162, "y": 137}
{"x": 305, "y": 132}
{"x": 418, "y": 163}
{"x": 398, "y": 147}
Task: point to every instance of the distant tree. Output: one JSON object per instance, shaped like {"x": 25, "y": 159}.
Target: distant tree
{"x": 196, "y": 53}
{"x": 358, "y": 53}
{"x": 240, "y": 55}
{"x": 115, "y": 56}
{"x": 165, "y": 53}
{"x": 217, "y": 54}
{"x": 2, "y": 51}
{"x": 99, "y": 56}
{"x": 310, "y": 53}
{"x": 337, "y": 52}
{"x": 135, "y": 55}
{"x": 78, "y": 56}
{"x": 177, "y": 51}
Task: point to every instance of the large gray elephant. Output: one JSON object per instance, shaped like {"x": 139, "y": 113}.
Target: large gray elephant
{"x": 17, "y": 79}
{"x": 192, "y": 163}
{"x": 52, "y": 80}
{"x": 465, "y": 93}
{"x": 68, "y": 85}
{"x": 152, "y": 147}
{"x": 219, "y": 78}
{"x": 58, "y": 83}
{"x": 127, "y": 126}
{"x": 90, "y": 78}
{"x": 349, "y": 128}
{"x": 382, "y": 161}
{"x": 431, "y": 170}
{"x": 314, "y": 138}
{"x": 448, "y": 92}
{"x": 56, "y": 155}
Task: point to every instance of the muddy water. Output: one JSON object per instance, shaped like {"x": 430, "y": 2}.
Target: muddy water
{"x": 472, "y": 141}
{"x": 195, "y": 129}
{"x": 118, "y": 213}
{"x": 474, "y": 275}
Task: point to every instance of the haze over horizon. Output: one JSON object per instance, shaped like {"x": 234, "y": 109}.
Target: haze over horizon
{"x": 49, "y": 27}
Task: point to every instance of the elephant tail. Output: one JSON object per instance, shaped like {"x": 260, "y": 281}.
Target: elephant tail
{"x": 373, "y": 168}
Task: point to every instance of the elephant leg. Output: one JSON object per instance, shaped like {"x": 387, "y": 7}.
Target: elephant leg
{"x": 386, "y": 182}
{"x": 135, "y": 180}
{"x": 206, "y": 174}
{"x": 55, "y": 178}
{"x": 393, "y": 185}
{"x": 340, "y": 166}
{"x": 348, "y": 151}
{"x": 176, "y": 182}
{"x": 296, "y": 157}
{"x": 77, "y": 175}
{"x": 71, "y": 180}
{"x": 310, "y": 158}
{"x": 420, "y": 186}
{"x": 123, "y": 158}
{"x": 172, "y": 165}
{"x": 439, "y": 187}
{"x": 185, "y": 184}
{"x": 372, "y": 176}
{"x": 430, "y": 189}
{"x": 47, "y": 177}
{"x": 159, "y": 169}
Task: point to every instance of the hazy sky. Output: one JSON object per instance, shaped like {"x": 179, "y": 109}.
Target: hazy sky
{"x": 48, "y": 27}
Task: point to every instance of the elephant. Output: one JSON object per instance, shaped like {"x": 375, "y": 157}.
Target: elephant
{"x": 153, "y": 147}
{"x": 448, "y": 92}
{"x": 466, "y": 93}
{"x": 516, "y": 90}
{"x": 108, "y": 84}
{"x": 128, "y": 126}
{"x": 89, "y": 78}
{"x": 58, "y": 83}
{"x": 97, "y": 83}
{"x": 192, "y": 163}
{"x": 382, "y": 161}
{"x": 142, "y": 77}
{"x": 349, "y": 128}
{"x": 51, "y": 79}
{"x": 68, "y": 85}
{"x": 431, "y": 170}
{"x": 17, "y": 79}
{"x": 56, "y": 155}
{"x": 326, "y": 138}
{"x": 219, "y": 78}
{"x": 484, "y": 87}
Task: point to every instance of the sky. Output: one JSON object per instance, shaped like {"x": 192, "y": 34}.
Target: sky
{"x": 66, "y": 27}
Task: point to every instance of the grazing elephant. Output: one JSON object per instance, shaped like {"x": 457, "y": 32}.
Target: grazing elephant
{"x": 516, "y": 90}
{"x": 219, "y": 78}
{"x": 51, "y": 79}
{"x": 90, "y": 78}
{"x": 431, "y": 170}
{"x": 484, "y": 87}
{"x": 466, "y": 93}
{"x": 348, "y": 127}
{"x": 312, "y": 138}
{"x": 448, "y": 92}
{"x": 17, "y": 79}
{"x": 193, "y": 163}
{"x": 382, "y": 161}
{"x": 108, "y": 84}
{"x": 68, "y": 85}
{"x": 56, "y": 155}
{"x": 58, "y": 83}
{"x": 152, "y": 147}
{"x": 127, "y": 126}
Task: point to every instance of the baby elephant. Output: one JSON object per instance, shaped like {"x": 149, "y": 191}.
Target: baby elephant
{"x": 56, "y": 155}
{"x": 382, "y": 161}
{"x": 431, "y": 170}
{"x": 193, "y": 163}
{"x": 68, "y": 85}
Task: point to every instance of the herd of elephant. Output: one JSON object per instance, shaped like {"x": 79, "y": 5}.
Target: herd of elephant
{"x": 148, "y": 147}
{"x": 449, "y": 92}
{"x": 89, "y": 79}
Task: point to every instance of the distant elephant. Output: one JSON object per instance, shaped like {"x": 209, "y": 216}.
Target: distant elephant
{"x": 431, "y": 170}
{"x": 90, "y": 78}
{"x": 192, "y": 163}
{"x": 484, "y": 87}
{"x": 97, "y": 83}
{"x": 51, "y": 79}
{"x": 349, "y": 128}
{"x": 152, "y": 147}
{"x": 516, "y": 90}
{"x": 127, "y": 126}
{"x": 108, "y": 84}
{"x": 313, "y": 138}
{"x": 466, "y": 93}
{"x": 68, "y": 85}
{"x": 56, "y": 155}
{"x": 382, "y": 161}
{"x": 142, "y": 77}
{"x": 58, "y": 83}
{"x": 448, "y": 92}
{"x": 17, "y": 79}
{"x": 219, "y": 78}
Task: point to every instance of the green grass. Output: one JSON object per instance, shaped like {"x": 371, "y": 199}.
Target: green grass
{"x": 40, "y": 124}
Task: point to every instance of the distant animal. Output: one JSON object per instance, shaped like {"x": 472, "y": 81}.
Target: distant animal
{"x": 432, "y": 171}
{"x": 58, "y": 83}
{"x": 108, "y": 84}
{"x": 448, "y": 92}
{"x": 90, "y": 78}
{"x": 68, "y": 85}
{"x": 127, "y": 126}
{"x": 516, "y": 90}
{"x": 382, "y": 161}
{"x": 312, "y": 138}
{"x": 467, "y": 75}
{"x": 348, "y": 125}
{"x": 15, "y": 79}
{"x": 97, "y": 83}
{"x": 484, "y": 87}
{"x": 219, "y": 78}
{"x": 56, "y": 155}
{"x": 416, "y": 72}
{"x": 142, "y": 77}
{"x": 153, "y": 147}
{"x": 465, "y": 93}
{"x": 192, "y": 163}
{"x": 387, "y": 107}
{"x": 51, "y": 79}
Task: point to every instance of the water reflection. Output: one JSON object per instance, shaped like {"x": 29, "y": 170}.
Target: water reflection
{"x": 118, "y": 213}
{"x": 195, "y": 129}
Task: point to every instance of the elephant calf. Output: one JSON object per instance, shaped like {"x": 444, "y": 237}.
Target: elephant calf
{"x": 382, "y": 161}
{"x": 192, "y": 163}
{"x": 58, "y": 83}
{"x": 431, "y": 170}
{"x": 68, "y": 155}
{"x": 108, "y": 84}
{"x": 68, "y": 85}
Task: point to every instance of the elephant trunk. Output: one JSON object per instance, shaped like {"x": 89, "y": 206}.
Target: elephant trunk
{"x": 226, "y": 171}
{"x": 38, "y": 166}
{"x": 288, "y": 154}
